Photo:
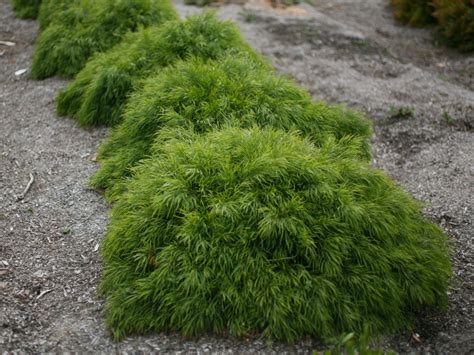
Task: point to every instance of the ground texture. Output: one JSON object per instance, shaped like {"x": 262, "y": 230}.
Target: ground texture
{"x": 346, "y": 51}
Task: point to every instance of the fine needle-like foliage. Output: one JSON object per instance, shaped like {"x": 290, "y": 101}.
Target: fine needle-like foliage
{"x": 49, "y": 9}
{"x": 90, "y": 26}
{"x": 99, "y": 93}
{"x": 26, "y": 8}
{"x": 247, "y": 231}
{"x": 203, "y": 96}
{"x": 456, "y": 21}
{"x": 414, "y": 12}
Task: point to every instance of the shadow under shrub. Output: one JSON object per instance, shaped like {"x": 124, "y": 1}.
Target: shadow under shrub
{"x": 456, "y": 22}
{"x": 202, "y": 96}
{"x": 26, "y": 8}
{"x": 246, "y": 231}
{"x": 99, "y": 93}
{"x": 88, "y": 27}
{"x": 414, "y": 12}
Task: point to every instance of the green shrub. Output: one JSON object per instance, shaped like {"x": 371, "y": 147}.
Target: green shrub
{"x": 88, "y": 27}
{"x": 456, "y": 20}
{"x": 26, "y": 8}
{"x": 203, "y": 96}
{"x": 414, "y": 12}
{"x": 261, "y": 231}
{"x": 99, "y": 93}
{"x": 49, "y": 10}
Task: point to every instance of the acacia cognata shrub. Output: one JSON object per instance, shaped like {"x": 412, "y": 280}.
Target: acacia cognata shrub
{"x": 26, "y": 8}
{"x": 202, "y": 96}
{"x": 49, "y": 10}
{"x": 99, "y": 93}
{"x": 88, "y": 27}
{"x": 260, "y": 230}
{"x": 414, "y": 12}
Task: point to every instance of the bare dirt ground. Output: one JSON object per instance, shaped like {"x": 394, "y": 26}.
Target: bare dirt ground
{"x": 345, "y": 51}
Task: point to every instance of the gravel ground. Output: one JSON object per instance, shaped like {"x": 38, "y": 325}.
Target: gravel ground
{"x": 345, "y": 51}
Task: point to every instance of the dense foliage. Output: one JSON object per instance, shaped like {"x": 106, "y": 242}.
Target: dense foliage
{"x": 204, "y": 96}
{"x": 49, "y": 10}
{"x": 88, "y": 27}
{"x": 413, "y": 12}
{"x": 26, "y": 8}
{"x": 261, "y": 231}
{"x": 99, "y": 93}
{"x": 456, "y": 20}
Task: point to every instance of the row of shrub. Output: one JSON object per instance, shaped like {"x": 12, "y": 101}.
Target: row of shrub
{"x": 454, "y": 19}
{"x": 239, "y": 204}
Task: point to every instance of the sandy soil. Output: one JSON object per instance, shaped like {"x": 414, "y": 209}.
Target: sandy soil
{"x": 346, "y": 51}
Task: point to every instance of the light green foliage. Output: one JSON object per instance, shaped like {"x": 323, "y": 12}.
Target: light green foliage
{"x": 26, "y": 8}
{"x": 414, "y": 12}
{"x": 100, "y": 91}
{"x": 49, "y": 9}
{"x": 262, "y": 231}
{"x": 456, "y": 20}
{"x": 203, "y": 96}
{"x": 90, "y": 26}
{"x": 353, "y": 344}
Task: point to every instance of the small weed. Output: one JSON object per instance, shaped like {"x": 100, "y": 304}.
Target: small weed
{"x": 248, "y": 16}
{"x": 30, "y": 210}
{"x": 66, "y": 231}
{"x": 443, "y": 77}
{"x": 448, "y": 119}
{"x": 350, "y": 344}
{"x": 401, "y": 112}
{"x": 308, "y": 29}
{"x": 362, "y": 42}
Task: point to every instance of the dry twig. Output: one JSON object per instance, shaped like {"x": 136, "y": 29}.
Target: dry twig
{"x": 43, "y": 293}
{"x": 27, "y": 188}
{"x": 7, "y": 43}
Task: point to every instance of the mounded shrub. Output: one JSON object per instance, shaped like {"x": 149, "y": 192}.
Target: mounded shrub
{"x": 26, "y": 8}
{"x": 49, "y": 10}
{"x": 88, "y": 27}
{"x": 99, "y": 93}
{"x": 414, "y": 12}
{"x": 202, "y": 96}
{"x": 262, "y": 231}
{"x": 456, "y": 20}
